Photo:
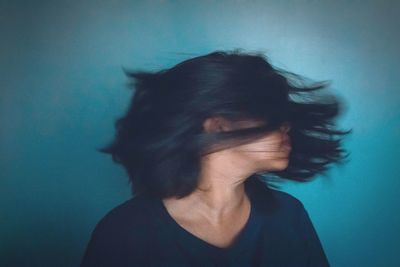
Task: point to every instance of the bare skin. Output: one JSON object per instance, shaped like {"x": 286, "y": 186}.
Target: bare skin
{"x": 218, "y": 210}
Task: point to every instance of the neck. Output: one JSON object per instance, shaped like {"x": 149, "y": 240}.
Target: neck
{"x": 220, "y": 193}
{"x": 220, "y": 197}
{"x": 221, "y": 188}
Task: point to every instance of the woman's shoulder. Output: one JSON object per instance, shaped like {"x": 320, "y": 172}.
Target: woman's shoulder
{"x": 130, "y": 216}
{"x": 126, "y": 226}
{"x": 275, "y": 202}
{"x": 286, "y": 199}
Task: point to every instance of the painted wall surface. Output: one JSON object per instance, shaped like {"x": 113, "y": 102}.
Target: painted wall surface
{"x": 62, "y": 87}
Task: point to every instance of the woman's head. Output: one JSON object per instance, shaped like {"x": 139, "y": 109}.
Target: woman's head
{"x": 219, "y": 101}
{"x": 269, "y": 152}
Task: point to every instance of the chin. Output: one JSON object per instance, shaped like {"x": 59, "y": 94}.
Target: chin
{"x": 277, "y": 165}
{"x": 281, "y": 166}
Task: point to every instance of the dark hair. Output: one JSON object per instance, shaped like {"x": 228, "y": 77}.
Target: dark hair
{"x": 160, "y": 139}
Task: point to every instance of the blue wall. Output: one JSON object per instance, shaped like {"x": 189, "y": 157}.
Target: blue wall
{"x": 62, "y": 86}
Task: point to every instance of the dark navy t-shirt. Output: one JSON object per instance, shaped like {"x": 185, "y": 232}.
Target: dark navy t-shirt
{"x": 141, "y": 232}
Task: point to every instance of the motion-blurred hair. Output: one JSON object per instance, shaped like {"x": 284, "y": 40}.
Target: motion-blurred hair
{"x": 160, "y": 139}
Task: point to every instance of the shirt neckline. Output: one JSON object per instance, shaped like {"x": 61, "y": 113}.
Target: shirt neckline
{"x": 198, "y": 247}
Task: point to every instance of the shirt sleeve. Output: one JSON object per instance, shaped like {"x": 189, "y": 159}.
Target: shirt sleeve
{"x": 316, "y": 256}
{"x": 103, "y": 248}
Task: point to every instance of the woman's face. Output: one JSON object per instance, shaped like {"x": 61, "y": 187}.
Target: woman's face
{"x": 268, "y": 153}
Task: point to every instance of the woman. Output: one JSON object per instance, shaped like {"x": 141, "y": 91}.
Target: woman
{"x": 204, "y": 143}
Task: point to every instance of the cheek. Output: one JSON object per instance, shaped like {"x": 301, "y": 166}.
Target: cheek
{"x": 266, "y": 145}
{"x": 260, "y": 149}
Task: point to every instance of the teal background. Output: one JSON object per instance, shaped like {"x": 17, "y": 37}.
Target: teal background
{"x": 62, "y": 87}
